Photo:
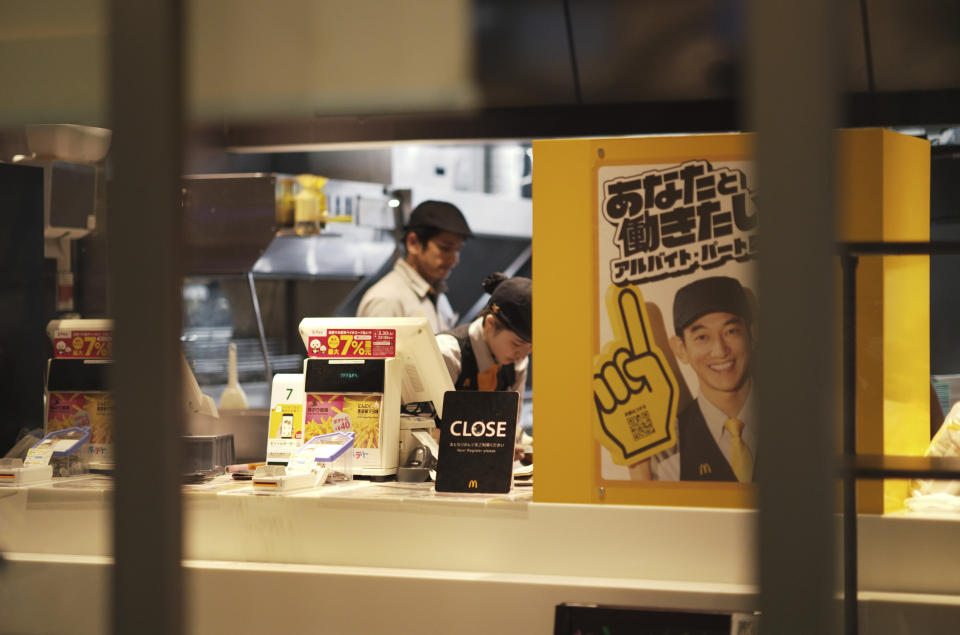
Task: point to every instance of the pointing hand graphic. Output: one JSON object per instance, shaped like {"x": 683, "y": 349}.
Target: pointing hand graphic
{"x": 634, "y": 390}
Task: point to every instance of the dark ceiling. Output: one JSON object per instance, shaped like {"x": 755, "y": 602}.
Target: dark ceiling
{"x": 608, "y": 67}
{"x": 650, "y": 50}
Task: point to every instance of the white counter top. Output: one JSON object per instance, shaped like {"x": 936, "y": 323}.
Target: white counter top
{"x": 403, "y": 525}
{"x": 363, "y": 546}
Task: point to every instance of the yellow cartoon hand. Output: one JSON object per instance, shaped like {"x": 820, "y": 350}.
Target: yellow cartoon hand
{"x": 633, "y": 388}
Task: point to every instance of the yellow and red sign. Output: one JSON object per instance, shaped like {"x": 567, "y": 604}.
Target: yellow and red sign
{"x": 84, "y": 345}
{"x": 327, "y": 413}
{"x": 353, "y": 343}
{"x": 84, "y": 409}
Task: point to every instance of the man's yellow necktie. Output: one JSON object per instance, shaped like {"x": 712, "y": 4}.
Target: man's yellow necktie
{"x": 741, "y": 460}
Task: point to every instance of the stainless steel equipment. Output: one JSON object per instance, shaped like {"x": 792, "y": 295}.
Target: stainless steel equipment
{"x": 240, "y": 243}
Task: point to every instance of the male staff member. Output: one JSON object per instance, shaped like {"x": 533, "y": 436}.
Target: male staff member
{"x": 717, "y": 432}
{"x": 414, "y": 288}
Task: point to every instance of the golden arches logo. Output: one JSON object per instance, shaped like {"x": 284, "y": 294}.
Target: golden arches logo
{"x": 472, "y": 484}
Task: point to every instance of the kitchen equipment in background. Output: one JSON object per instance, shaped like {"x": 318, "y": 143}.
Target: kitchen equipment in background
{"x": 233, "y": 397}
{"x": 68, "y": 142}
{"x": 246, "y": 427}
{"x": 285, "y": 200}
{"x": 231, "y": 222}
{"x": 307, "y": 204}
{"x": 69, "y": 193}
{"x": 236, "y": 228}
{"x": 68, "y": 156}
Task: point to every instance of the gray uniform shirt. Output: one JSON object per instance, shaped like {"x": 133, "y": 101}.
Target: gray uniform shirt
{"x": 403, "y": 293}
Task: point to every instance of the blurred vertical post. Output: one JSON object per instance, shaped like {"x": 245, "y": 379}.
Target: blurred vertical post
{"x": 144, "y": 256}
{"x": 792, "y": 104}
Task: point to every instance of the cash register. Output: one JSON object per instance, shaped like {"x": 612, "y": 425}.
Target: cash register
{"x": 381, "y": 378}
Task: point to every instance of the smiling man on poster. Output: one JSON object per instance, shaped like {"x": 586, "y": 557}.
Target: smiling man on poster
{"x": 717, "y": 432}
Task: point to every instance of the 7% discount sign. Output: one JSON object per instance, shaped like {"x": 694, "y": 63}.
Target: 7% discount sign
{"x": 85, "y": 345}
{"x": 633, "y": 387}
{"x": 346, "y": 345}
{"x": 369, "y": 343}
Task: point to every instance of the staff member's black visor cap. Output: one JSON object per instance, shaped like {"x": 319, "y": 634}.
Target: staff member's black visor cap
{"x": 511, "y": 300}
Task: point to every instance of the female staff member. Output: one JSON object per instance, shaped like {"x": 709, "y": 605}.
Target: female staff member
{"x": 491, "y": 353}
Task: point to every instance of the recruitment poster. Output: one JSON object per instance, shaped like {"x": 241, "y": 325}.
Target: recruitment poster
{"x": 674, "y": 394}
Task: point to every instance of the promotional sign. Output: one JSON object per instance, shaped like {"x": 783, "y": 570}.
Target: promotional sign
{"x": 345, "y": 413}
{"x": 477, "y": 437}
{"x": 85, "y": 344}
{"x": 641, "y": 243}
{"x": 639, "y": 421}
{"x": 92, "y": 410}
{"x": 676, "y": 245}
{"x": 365, "y": 343}
{"x": 81, "y": 338}
{"x": 38, "y": 456}
{"x": 285, "y": 434}
{"x": 285, "y": 429}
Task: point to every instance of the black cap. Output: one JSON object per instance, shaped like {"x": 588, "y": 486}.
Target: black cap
{"x": 439, "y": 215}
{"x": 717, "y": 294}
{"x": 511, "y": 300}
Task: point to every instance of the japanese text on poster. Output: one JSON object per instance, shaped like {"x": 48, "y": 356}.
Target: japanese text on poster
{"x": 669, "y": 222}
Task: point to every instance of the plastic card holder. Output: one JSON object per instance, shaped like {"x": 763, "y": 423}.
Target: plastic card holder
{"x": 66, "y": 451}
{"x": 332, "y": 450}
{"x": 65, "y": 442}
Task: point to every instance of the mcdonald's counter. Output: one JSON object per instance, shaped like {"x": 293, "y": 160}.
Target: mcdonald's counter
{"x": 363, "y": 553}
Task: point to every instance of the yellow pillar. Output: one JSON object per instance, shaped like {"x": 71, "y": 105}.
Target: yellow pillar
{"x": 884, "y": 195}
